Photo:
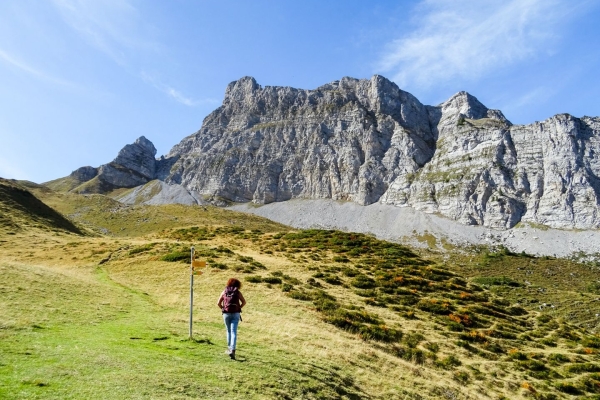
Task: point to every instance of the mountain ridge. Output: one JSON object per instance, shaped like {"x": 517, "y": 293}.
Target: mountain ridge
{"x": 368, "y": 141}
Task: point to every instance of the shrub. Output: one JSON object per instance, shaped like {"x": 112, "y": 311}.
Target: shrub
{"x": 532, "y": 365}
{"x": 449, "y": 362}
{"x": 557, "y": 358}
{"x": 455, "y": 326}
{"x": 568, "y": 388}
{"x": 413, "y": 339}
{"x": 435, "y": 306}
{"x": 341, "y": 259}
{"x": 380, "y": 333}
{"x": 299, "y": 295}
{"x": 548, "y": 342}
{"x": 515, "y": 354}
{"x": 257, "y": 264}
{"x": 222, "y": 249}
{"x": 363, "y": 282}
{"x": 461, "y": 376}
{"x": 272, "y": 280}
{"x": 433, "y": 347}
{"x": 175, "y": 256}
{"x": 219, "y": 266}
{"x": 141, "y": 249}
{"x": 332, "y": 280}
{"x": 591, "y": 341}
{"x": 286, "y": 287}
{"x": 291, "y": 280}
{"x": 254, "y": 279}
{"x": 583, "y": 367}
{"x": 591, "y": 383}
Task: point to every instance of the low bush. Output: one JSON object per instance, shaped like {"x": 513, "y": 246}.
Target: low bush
{"x": 557, "y": 358}
{"x": 332, "y": 280}
{"x": 591, "y": 383}
{"x": 363, "y": 282}
{"x": 177, "y": 256}
{"x": 583, "y": 367}
{"x": 568, "y": 388}
{"x": 219, "y": 266}
{"x": 141, "y": 249}
{"x": 272, "y": 279}
{"x": 449, "y": 362}
{"x": 591, "y": 341}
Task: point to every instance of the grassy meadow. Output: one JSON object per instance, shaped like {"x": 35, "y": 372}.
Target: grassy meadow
{"x": 94, "y": 303}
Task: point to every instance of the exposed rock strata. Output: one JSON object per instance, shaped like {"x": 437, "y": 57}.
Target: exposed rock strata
{"x": 367, "y": 141}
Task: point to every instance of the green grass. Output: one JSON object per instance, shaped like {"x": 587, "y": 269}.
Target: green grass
{"x": 110, "y": 341}
{"x": 330, "y": 314}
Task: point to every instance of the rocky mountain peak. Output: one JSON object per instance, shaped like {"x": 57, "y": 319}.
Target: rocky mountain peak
{"x": 463, "y": 103}
{"x": 241, "y": 89}
{"x": 138, "y": 157}
{"x": 368, "y": 141}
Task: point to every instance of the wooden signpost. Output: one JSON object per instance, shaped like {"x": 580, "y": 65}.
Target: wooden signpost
{"x": 195, "y": 266}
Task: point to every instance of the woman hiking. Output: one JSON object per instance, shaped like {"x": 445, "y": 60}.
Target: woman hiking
{"x": 231, "y": 302}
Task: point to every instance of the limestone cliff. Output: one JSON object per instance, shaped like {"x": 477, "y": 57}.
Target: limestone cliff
{"x": 368, "y": 141}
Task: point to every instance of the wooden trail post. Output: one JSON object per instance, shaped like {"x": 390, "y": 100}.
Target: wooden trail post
{"x": 191, "y": 290}
{"x": 193, "y": 264}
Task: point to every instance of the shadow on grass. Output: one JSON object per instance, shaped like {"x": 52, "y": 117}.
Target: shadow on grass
{"x": 200, "y": 341}
{"x": 318, "y": 380}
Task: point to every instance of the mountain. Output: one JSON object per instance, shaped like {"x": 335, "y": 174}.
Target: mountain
{"x": 368, "y": 141}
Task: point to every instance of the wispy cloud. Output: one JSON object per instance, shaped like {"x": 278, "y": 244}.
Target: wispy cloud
{"x": 115, "y": 27}
{"x": 112, "y": 26}
{"x": 467, "y": 39}
{"x": 174, "y": 93}
{"x": 22, "y": 66}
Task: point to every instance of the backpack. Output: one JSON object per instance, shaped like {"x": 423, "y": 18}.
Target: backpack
{"x": 231, "y": 300}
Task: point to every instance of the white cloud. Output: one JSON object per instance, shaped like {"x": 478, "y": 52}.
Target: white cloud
{"x": 112, "y": 26}
{"x": 467, "y": 39}
{"x": 174, "y": 93}
{"x": 22, "y": 66}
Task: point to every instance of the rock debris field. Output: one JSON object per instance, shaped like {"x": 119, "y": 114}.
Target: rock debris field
{"x": 406, "y": 225}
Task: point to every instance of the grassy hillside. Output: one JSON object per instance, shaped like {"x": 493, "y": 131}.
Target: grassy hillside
{"x": 330, "y": 314}
{"x": 21, "y": 210}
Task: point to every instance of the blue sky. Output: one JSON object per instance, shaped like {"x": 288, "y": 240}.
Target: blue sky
{"x": 80, "y": 79}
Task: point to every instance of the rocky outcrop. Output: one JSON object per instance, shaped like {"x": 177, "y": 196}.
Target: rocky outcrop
{"x": 84, "y": 174}
{"x": 158, "y": 192}
{"x": 134, "y": 165}
{"x": 368, "y": 141}
{"x": 347, "y": 140}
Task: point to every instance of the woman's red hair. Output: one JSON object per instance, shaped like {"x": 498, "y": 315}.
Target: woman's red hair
{"x": 234, "y": 283}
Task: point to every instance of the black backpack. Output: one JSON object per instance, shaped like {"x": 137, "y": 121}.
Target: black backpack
{"x": 231, "y": 300}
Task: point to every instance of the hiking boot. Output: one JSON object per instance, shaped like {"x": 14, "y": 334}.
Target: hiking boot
{"x": 232, "y": 354}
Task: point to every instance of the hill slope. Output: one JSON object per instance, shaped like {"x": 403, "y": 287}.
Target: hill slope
{"x": 330, "y": 314}
{"x": 21, "y": 210}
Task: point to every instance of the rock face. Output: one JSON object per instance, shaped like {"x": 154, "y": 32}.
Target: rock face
{"x": 367, "y": 141}
{"x": 84, "y": 174}
{"x": 135, "y": 165}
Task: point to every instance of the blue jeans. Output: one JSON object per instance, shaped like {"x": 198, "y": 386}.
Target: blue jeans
{"x": 231, "y": 324}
